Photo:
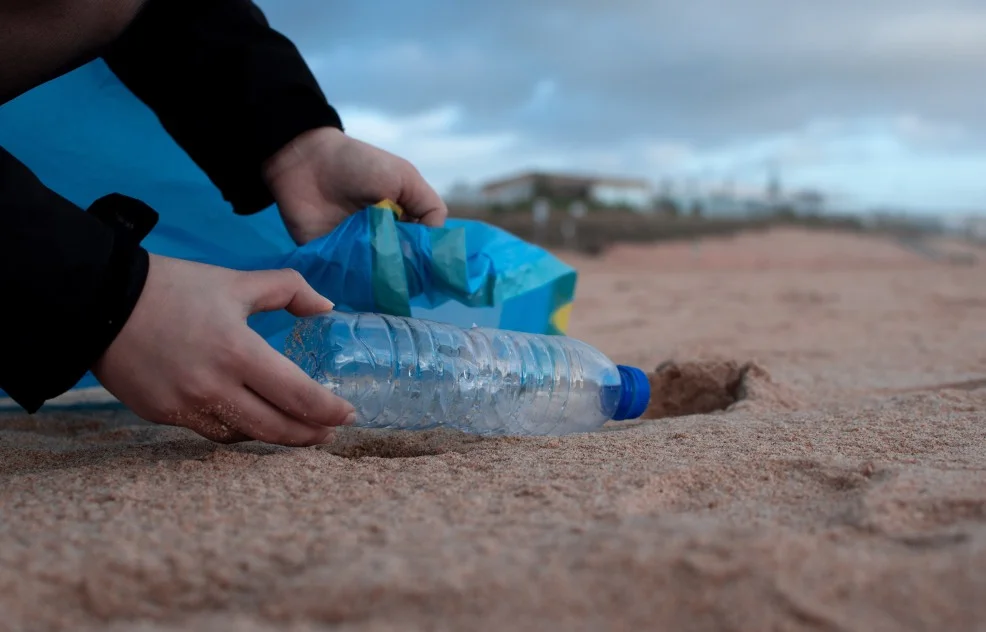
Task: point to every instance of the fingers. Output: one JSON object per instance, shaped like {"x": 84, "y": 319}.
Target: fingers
{"x": 274, "y": 401}
{"x": 215, "y": 430}
{"x": 271, "y": 375}
{"x": 270, "y": 290}
{"x": 420, "y": 201}
{"x": 282, "y": 383}
{"x": 207, "y": 421}
{"x": 258, "y": 419}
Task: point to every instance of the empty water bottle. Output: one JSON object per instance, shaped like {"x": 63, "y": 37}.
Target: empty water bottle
{"x": 412, "y": 374}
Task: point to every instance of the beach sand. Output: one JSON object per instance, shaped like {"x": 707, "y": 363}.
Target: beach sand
{"x": 816, "y": 461}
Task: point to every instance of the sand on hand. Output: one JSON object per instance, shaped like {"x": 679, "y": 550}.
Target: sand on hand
{"x": 815, "y": 459}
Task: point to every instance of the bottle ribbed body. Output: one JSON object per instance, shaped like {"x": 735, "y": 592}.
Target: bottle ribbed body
{"x": 412, "y": 374}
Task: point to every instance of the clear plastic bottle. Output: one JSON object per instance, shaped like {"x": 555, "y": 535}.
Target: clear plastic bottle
{"x": 412, "y": 374}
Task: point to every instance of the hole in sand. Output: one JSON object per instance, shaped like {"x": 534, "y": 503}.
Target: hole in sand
{"x": 697, "y": 388}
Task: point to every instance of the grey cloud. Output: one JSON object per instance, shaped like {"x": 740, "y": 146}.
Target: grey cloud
{"x": 704, "y": 71}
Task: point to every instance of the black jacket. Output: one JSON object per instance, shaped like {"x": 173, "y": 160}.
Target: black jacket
{"x": 231, "y": 91}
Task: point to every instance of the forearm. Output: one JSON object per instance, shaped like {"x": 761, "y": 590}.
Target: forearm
{"x": 41, "y": 39}
{"x": 228, "y": 88}
{"x": 69, "y": 279}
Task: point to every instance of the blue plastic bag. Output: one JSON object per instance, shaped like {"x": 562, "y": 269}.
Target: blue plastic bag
{"x": 85, "y": 135}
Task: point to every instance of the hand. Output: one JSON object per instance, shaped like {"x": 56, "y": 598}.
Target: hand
{"x": 323, "y": 176}
{"x": 186, "y": 357}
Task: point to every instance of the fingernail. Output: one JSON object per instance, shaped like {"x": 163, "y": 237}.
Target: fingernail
{"x": 331, "y": 304}
{"x": 330, "y": 434}
{"x": 350, "y": 419}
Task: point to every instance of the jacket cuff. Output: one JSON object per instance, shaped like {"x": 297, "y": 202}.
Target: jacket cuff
{"x": 112, "y": 302}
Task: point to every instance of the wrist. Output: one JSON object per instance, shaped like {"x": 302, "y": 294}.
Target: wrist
{"x": 299, "y": 150}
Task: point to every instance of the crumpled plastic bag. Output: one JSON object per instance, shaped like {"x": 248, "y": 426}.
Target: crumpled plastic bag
{"x": 466, "y": 273}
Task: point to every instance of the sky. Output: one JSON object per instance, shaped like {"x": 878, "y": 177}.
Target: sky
{"x": 877, "y": 103}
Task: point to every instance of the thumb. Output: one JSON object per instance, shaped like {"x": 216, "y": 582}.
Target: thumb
{"x": 270, "y": 290}
{"x": 419, "y": 200}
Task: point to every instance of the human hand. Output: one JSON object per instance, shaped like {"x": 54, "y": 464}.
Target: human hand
{"x": 323, "y": 176}
{"x": 186, "y": 357}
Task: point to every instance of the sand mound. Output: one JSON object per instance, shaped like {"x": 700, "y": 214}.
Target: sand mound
{"x": 695, "y": 388}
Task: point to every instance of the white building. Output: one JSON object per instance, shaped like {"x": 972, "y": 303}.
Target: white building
{"x": 636, "y": 194}
{"x": 464, "y": 194}
{"x": 739, "y": 202}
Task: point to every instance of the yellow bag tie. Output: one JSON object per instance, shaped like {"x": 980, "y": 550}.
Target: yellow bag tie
{"x": 390, "y": 206}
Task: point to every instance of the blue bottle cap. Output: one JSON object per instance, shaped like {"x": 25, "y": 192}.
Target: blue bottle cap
{"x": 634, "y": 394}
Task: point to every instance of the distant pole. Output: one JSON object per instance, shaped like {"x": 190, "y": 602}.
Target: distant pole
{"x": 667, "y": 188}
{"x": 541, "y": 211}
{"x": 773, "y": 185}
{"x": 578, "y": 209}
{"x": 569, "y": 229}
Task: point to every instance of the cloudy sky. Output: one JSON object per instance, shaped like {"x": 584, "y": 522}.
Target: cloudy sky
{"x": 878, "y": 102}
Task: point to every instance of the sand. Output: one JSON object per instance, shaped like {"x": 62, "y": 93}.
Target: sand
{"x": 816, "y": 460}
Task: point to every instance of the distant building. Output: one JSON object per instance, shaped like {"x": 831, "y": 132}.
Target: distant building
{"x": 807, "y": 202}
{"x": 975, "y": 228}
{"x": 464, "y": 194}
{"x": 898, "y": 220}
{"x": 636, "y": 194}
{"x": 728, "y": 200}
{"x": 732, "y": 201}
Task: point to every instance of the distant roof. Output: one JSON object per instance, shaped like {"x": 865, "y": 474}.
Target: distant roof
{"x": 567, "y": 179}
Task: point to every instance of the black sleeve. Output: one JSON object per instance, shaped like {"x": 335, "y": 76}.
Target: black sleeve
{"x": 227, "y": 87}
{"x": 69, "y": 281}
